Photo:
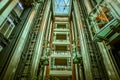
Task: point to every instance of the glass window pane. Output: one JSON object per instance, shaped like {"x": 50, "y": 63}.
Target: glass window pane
{"x": 61, "y": 7}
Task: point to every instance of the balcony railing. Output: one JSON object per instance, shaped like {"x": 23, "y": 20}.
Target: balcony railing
{"x": 62, "y": 52}
{"x": 61, "y": 68}
{"x": 62, "y": 40}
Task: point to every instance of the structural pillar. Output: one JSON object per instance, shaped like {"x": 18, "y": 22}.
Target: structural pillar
{"x": 40, "y": 40}
{"x": 84, "y": 48}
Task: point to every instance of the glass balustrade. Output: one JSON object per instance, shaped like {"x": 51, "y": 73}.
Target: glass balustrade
{"x": 62, "y": 52}
{"x": 59, "y": 67}
{"x": 61, "y": 40}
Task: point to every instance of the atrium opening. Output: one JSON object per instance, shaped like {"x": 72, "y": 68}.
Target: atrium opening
{"x": 59, "y": 39}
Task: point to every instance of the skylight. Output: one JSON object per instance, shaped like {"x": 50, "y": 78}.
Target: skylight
{"x": 61, "y": 7}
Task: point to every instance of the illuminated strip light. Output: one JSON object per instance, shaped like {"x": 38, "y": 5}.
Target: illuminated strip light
{"x": 10, "y": 20}
{"x": 20, "y": 5}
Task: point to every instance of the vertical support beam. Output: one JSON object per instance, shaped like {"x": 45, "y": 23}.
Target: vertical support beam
{"x": 38, "y": 48}
{"x": 77, "y": 71}
{"x": 48, "y": 39}
{"x": 48, "y": 27}
{"x": 44, "y": 73}
{"x": 50, "y": 31}
{"x": 74, "y": 27}
{"x": 72, "y": 30}
{"x": 84, "y": 48}
{"x": 73, "y": 72}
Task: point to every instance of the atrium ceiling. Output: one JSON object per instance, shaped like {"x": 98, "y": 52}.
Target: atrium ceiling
{"x": 61, "y": 7}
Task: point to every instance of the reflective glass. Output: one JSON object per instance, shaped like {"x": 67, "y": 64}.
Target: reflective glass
{"x": 61, "y": 7}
